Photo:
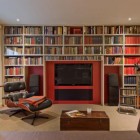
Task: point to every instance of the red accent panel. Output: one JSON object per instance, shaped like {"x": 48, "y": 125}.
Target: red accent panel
{"x": 109, "y": 70}
{"x": 96, "y": 82}
{"x": 36, "y": 70}
{"x": 73, "y": 87}
{"x": 50, "y": 80}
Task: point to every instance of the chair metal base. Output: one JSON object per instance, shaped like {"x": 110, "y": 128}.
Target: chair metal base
{"x": 18, "y": 111}
{"x": 34, "y": 116}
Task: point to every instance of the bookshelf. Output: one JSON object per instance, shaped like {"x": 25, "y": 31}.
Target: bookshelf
{"x": 138, "y": 87}
{"x": 93, "y": 40}
{"x": 1, "y": 66}
{"x": 113, "y": 45}
{"x": 128, "y": 97}
{"x": 13, "y": 53}
{"x": 131, "y": 56}
{"x": 53, "y": 40}
{"x": 127, "y": 101}
{"x": 31, "y": 46}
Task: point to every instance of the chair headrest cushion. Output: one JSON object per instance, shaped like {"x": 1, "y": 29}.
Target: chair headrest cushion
{"x": 14, "y": 86}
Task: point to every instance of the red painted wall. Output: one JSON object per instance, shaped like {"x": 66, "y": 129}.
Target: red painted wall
{"x": 96, "y": 81}
{"x": 35, "y": 70}
{"x": 109, "y": 70}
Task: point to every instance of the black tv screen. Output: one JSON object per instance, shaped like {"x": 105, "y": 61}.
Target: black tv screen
{"x": 73, "y": 74}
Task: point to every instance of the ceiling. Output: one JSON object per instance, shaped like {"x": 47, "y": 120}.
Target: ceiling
{"x": 70, "y": 12}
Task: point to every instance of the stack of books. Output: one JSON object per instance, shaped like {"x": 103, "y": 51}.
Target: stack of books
{"x": 75, "y": 113}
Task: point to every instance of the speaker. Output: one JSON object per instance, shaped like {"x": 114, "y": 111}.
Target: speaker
{"x": 113, "y": 89}
{"x": 113, "y": 96}
{"x": 34, "y": 84}
{"x": 113, "y": 80}
{"x": 34, "y": 80}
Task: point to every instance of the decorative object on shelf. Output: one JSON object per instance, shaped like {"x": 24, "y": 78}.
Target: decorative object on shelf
{"x": 137, "y": 66}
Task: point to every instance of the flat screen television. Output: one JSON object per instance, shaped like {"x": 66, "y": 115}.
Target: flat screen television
{"x": 73, "y": 74}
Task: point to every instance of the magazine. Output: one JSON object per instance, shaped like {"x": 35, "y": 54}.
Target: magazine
{"x": 75, "y": 113}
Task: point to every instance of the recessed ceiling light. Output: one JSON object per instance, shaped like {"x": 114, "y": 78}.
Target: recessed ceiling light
{"x": 18, "y": 19}
{"x": 129, "y": 18}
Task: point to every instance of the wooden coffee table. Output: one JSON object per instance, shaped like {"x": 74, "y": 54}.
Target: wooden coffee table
{"x": 97, "y": 120}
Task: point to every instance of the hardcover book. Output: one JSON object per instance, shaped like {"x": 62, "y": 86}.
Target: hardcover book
{"x": 75, "y": 113}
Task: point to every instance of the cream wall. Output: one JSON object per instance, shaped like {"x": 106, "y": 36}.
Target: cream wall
{"x": 1, "y": 76}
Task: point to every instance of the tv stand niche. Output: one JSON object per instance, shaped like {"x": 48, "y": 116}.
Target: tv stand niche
{"x": 74, "y": 93}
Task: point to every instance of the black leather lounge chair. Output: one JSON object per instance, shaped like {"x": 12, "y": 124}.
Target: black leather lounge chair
{"x": 13, "y": 92}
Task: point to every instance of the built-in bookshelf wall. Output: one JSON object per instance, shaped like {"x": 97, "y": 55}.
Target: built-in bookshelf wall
{"x": 131, "y": 53}
{"x": 114, "y": 45}
{"x": 1, "y": 66}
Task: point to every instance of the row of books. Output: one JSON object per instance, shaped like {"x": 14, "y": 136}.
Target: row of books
{"x": 113, "y": 60}
{"x": 131, "y": 91}
{"x": 13, "y": 79}
{"x": 53, "y": 40}
{"x": 13, "y": 61}
{"x": 53, "y": 50}
{"x": 73, "y": 50}
{"x": 132, "y": 40}
{"x": 13, "y": 30}
{"x": 113, "y": 29}
{"x": 33, "y": 50}
{"x": 132, "y": 30}
{"x": 33, "y": 60}
{"x": 129, "y": 70}
{"x": 13, "y": 40}
{"x": 13, "y": 50}
{"x": 132, "y": 49}
{"x": 53, "y": 30}
{"x": 113, "y": 39}
{"x": 113, "y": 50}
{"x": 131, "y": 60}
{"x": 93, "y": 30}
{"x": 73, "y": 30}
{"x": 14, "y": 71}
{"x": 32, "y": 30}
{"x": 38, "y": 49}
{"x": 73, "y": 40}
{"x": 130, "y": 80}
{"x": 93, "y": 50}
{"x": 33, "y": 40}
{"x": 47, "y": 58}
{"x": 128, "y": 101}
{"x": 93, "y": 40}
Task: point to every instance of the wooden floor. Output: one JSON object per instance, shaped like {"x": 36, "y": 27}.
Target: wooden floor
{"x": 117, "y": 121}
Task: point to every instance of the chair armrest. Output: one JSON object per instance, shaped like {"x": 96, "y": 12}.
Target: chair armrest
{"x": 6, "y": 96}
{"x": 13, "y": 96}
{"x": 27, "y": 95}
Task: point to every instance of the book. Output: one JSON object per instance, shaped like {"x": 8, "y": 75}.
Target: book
{"x": 75, "y": 113}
